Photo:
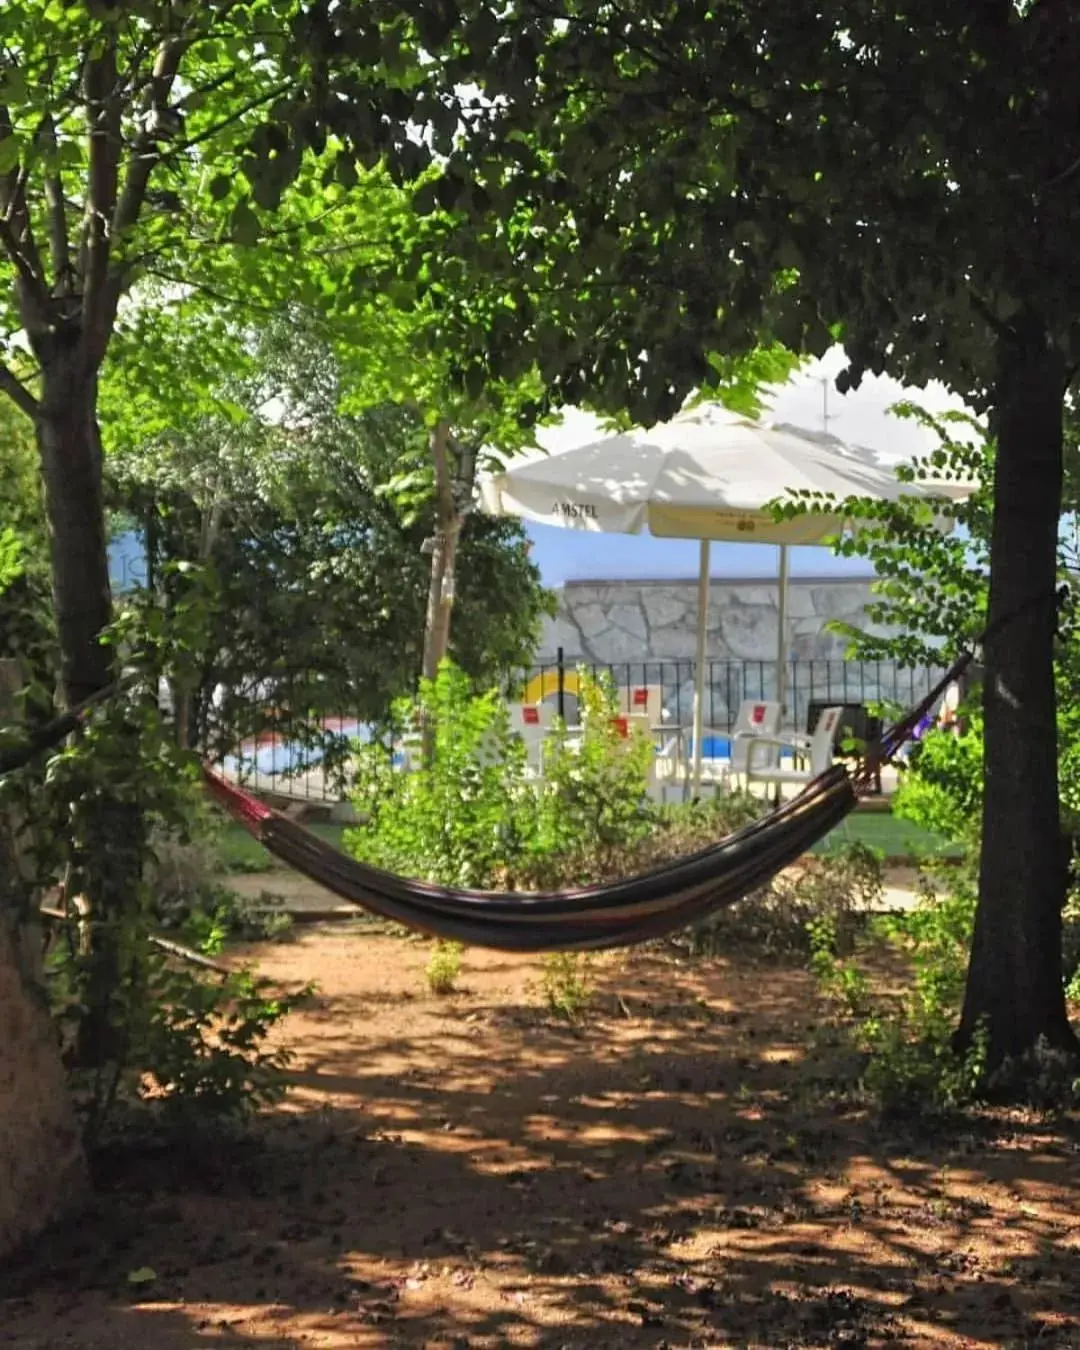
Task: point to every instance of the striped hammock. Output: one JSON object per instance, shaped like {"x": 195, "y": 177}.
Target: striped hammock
{"x": 585, "y": 918}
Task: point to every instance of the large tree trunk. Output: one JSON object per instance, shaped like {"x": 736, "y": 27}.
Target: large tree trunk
{"x": 71, "y": 461}
{"x": 70, "y": 450}
{"x": 1014, "y": 981}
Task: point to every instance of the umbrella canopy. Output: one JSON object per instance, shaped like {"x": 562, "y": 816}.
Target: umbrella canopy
{"x": 708, "y": 474}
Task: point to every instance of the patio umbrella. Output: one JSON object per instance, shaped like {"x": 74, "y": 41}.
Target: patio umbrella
{"x": 707, "y": 474}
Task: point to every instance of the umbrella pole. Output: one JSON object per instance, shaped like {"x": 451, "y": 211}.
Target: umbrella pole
{"x": 781, "y": 641}
{"x": 699, "y": 664}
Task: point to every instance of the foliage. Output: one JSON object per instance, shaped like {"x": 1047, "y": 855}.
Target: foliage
{"x": 309, "y": 525}
{"x": 460, "y": 819}
{"x": 203, "y": 1044}
{"x": 941, "y": 787}
{"x": 443, "y": 967}
{"x": 593, "y": 808}
{"x": 471, "y": 817}
{"x": 155, "y": 1020}
{"x": 680, "y": 128}
{"x": 566, "y": 980}
{"x": 912, "y": 1062}
{"x": 931, "y": 587}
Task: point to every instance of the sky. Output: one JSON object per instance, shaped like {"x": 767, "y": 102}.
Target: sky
{"x": 861, "y": 417}
{"x": 566, "y": 555}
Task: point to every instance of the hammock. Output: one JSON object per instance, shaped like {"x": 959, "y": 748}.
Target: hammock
{"x": 586, "y": 918}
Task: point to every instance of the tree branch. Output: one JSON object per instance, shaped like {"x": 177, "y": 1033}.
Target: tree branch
{"x": 233, "y": 117}
{"x": 146, "y": 153}
{"x": 59, "y": 242}
{"x": 11, "y": 385}
{"x": 104, "y": 125}
{"x": 17, "y": 240}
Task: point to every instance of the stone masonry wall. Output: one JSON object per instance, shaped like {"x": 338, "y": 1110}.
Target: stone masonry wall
{"x": 613, "y": 621}
{"x": 647, "y": 631}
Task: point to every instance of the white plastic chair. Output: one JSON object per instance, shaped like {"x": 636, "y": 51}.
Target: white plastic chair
{"x": 532, "y": 722}
{"x": 756, "y": 720}
{"x": 813, "y": 754}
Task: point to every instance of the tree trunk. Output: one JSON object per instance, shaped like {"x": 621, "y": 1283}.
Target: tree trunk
{"x": 109, "y": 852}
{"x": 70, "y": 450}
{"x": 1014, "y": 983}
{"x": 447, "y": 531}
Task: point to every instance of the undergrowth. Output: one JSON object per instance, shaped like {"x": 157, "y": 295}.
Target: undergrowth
{"x": 444, "y": 967}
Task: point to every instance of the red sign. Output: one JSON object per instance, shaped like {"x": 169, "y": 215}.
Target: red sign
{"x": 531, "y": 716}
{"x": 641, "y": 698}
{"x": 758, "y": 714}
{"x": 621, "y": 725}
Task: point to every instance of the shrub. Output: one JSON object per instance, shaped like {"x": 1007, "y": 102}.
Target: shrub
{"x": 203, "y": 1049}
{"x": 443, "y": 967}
{"x": 593, "y": 806}
{"x": 461, "y": 818}
{"x": 567, "y": 983}
{"x": 470, "y": 816}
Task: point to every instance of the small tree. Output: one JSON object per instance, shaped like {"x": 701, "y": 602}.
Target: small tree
{"x": 661, "y": 183}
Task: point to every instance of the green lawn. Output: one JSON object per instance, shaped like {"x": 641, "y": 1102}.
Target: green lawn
{"x": 238, "y": 852}
{"x": 887, "y": 835}
{"x": 877, "y": 830}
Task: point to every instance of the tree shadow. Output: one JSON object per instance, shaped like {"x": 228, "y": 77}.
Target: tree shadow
{"x": 678, "y": 1169}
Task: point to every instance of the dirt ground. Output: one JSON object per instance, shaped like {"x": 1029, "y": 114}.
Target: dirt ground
{"x": 467, "y": 1171}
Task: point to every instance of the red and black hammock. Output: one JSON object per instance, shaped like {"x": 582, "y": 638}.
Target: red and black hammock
{"x": 586, "y": 918}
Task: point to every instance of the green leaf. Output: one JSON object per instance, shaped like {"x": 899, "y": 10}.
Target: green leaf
{"x": 244, "y": 225}
{"x": 143, "y": 1275}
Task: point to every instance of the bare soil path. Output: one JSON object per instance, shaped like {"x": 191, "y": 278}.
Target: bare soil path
{"x": 470, "y": 1172}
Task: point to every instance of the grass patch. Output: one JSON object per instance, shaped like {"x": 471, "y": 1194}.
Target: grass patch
{"x": 878, "y": 830}
{"x": 888, "y": 836}
{"x": 238, "y": 852}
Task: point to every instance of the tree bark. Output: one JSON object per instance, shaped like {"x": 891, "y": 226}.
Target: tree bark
{"x": 447, "y": 531}
{"x": 70, "y": 449}
{"x": 110, "y": 851}
{"x": 1014, "y": 984}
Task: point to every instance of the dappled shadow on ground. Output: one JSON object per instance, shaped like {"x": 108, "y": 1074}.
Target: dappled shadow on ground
{"x": 678, "y": 1170}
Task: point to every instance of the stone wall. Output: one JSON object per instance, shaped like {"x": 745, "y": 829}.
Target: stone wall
{"x": 613, "y": 621}
{"x": 647, "y": 632}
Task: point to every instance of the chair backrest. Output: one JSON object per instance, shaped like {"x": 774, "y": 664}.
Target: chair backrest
{"x": 532, "y": 722}
{"x": 642, "y": 700}
{"x": 755, "y": 717}
{"x": 823, "y": 741}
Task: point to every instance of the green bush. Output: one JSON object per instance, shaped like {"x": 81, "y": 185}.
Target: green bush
{"x": 911, "y": 1064}
{"x": 443, "y": 967}
{"x": 201, "y": 1051}
{"x": 461, "y": 819}
{"x": 470, "y": 816}
{"x": 567, "y": 983}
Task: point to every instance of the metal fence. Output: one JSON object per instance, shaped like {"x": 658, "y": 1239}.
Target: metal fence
{"x": 305, "y": 757}
{"x": 810, "y": 683}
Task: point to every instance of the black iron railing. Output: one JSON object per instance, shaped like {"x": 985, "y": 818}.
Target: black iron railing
{"x": 278, "y": 750}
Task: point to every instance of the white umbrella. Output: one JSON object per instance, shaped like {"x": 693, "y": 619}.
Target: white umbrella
{"x": 707, "y": 474}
